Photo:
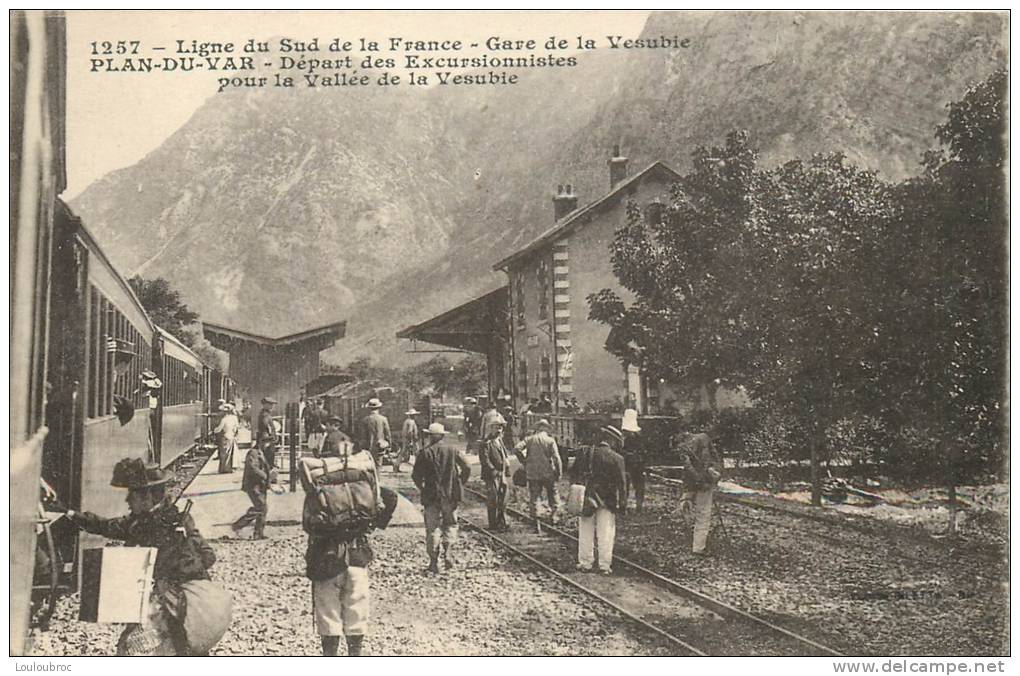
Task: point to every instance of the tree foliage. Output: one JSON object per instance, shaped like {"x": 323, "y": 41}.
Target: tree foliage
{"x": 165, "y": 307}
{"x": 829, "y": 294}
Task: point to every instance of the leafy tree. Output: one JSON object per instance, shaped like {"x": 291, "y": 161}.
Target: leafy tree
{"x": 470, "y": 375}
{"x": 685, "y": 323}
{"x": 165, "y": 307}
{"x": 945, "y": 323}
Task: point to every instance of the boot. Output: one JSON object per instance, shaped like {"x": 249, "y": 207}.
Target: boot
{"x": 354, "y": 644}
{"x": 330, "y": 646}
{"x": 448, "y": 559}
{"x": 434, "y": 565}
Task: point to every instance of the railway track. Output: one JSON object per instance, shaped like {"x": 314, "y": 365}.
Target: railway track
{"x": 187, "y": 467}
{"x": 691, "y": 621}
{"x": 892, "y": 546}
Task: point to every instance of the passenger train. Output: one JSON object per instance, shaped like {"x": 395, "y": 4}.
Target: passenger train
{"x": 93, "y": 379}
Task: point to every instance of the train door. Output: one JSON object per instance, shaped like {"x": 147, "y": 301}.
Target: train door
{"x": 156, "y": 414}
{"x": 67, "y": 378}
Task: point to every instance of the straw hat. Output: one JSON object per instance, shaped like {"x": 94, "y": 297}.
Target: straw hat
{"x": 411, "y": 412}
{"x": 613, "y": 433}
{"x": 437, "y": 429}
{"x": 373, "y": 403}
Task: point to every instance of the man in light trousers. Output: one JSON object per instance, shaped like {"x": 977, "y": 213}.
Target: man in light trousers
{"x": 603, "y": 473}
{"x": 701, "y": 474}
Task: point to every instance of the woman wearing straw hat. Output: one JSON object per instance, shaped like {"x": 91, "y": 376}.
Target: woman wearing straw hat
{"x": 227, "y": 438}
{"x": 634, "y": 455}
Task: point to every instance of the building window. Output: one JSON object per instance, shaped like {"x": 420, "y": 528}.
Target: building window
{"x": 546, "y": 373}
{"x": 542, "y": 272}
{"x": 522, "y": 379}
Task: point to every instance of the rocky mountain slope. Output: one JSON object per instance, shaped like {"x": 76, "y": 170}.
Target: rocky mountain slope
{"x": 276, "y": 213}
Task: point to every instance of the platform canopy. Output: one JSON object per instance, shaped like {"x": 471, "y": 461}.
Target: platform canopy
{"x": 273, "y": 367}
{"x": 473, "y": 326}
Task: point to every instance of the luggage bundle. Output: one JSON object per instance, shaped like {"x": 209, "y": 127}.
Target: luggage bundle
{"x": 342, "y": 496}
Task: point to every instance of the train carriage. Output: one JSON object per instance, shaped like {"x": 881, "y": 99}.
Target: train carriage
{"x": 184, "y": 399}
{"x": 37, "y": 176}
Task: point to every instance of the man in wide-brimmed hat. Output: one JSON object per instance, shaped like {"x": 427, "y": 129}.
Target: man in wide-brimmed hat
{"x": 543, "y": 466}
{"x": 439, "y": 473}
{"x": 375, "y": 427}
{"x": 182, "y": 554}
{"x": 601, "y": 471}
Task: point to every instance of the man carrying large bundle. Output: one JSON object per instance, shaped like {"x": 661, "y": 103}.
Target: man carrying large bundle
{"x": 343, "y": 504}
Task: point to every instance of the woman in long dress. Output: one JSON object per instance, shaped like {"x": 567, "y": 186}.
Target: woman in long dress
{"x": 227, "y": 438}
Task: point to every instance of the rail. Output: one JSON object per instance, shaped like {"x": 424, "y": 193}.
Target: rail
{"x": 711, "y": 603}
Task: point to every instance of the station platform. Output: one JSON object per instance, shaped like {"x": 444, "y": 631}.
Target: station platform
{"x": 217, "y": 501}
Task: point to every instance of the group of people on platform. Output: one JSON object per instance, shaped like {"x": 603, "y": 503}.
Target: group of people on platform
{"x": 338, "y": 565}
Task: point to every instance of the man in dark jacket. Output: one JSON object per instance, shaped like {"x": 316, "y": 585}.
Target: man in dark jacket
{"x": 182, "y": 554}
{"x": 439, "y": 472}
{"x": 265, "y": 432}
{"x": 602, "y": 471}
{"x": 493, "y": 458}
{"x": 255, "y": 482}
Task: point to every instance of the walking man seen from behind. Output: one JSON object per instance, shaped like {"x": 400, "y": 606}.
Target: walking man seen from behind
{"x": 543, "y": 467}
{"x": 439, "y": 472}
{"x": 601, "y": 470}
{"x": 376, "y": 426}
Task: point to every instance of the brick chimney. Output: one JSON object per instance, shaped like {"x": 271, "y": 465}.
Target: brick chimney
{"x": 617, "y": 167}
{"x": 564, "y": 201}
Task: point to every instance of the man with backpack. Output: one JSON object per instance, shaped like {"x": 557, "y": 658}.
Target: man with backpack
{"x": 343, "y": 504}
{"x": 439, "y": 473}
